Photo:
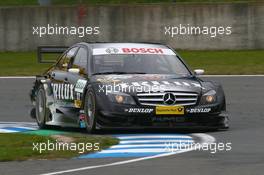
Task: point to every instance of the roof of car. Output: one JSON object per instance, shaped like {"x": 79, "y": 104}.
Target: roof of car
{"x": 129, "y": 45}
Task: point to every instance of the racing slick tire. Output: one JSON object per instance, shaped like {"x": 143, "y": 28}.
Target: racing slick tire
{"x": 91, "y": 111}
{"x": 42, "y": 112}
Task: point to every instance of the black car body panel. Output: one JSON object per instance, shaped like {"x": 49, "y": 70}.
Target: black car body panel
{"x": 182, "y": 101}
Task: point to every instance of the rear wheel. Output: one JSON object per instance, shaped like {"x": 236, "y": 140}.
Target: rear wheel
{"x": 42, "y": 112}
{"x": 90, "y": 110}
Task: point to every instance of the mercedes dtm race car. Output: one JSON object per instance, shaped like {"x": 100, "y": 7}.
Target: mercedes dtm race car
{"x": 125, "y": 85}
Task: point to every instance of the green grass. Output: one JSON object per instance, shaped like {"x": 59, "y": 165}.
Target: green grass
{"x": 20, "y": 63}
{"x": 214, "y": 62}
{"x": 76, "y": 2}
{"x": 17, "y": 146}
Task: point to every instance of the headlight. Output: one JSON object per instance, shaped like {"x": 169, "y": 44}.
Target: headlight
{"x": 209, "y": 97}
{"x": 121, "y": 98}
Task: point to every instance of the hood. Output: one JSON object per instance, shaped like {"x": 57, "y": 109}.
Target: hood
{"x": 132, "y": 83}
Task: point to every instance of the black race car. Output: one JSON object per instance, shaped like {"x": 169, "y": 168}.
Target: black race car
{"x": 125, "y": 85}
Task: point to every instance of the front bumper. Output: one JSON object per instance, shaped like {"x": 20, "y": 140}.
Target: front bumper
{"x": 119, "y": 117}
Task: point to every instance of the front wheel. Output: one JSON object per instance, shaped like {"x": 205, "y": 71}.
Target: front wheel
{"x": 90, "y": 110}
{"x": 42, "y": 112}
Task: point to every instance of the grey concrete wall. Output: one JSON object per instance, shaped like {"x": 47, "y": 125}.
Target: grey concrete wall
{"x": 138, "y": 23}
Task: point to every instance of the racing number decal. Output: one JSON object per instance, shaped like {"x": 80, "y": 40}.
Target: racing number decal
{"x": 80, "y": 85}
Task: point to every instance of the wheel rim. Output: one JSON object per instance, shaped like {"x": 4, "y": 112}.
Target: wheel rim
{"x": 90, "y": 110}
{"x": 40, "y": 106}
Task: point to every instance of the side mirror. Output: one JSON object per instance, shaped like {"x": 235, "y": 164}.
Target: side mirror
{"x": 74, "y": 70}
{"x": 199, "y": 71}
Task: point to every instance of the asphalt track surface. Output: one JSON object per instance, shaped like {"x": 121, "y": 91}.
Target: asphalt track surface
{"x": 245, "y": 103}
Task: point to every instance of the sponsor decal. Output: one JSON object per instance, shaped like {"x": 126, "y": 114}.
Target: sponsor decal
{"x": 139, "y": 110}
{"x": 198, "y": 110}
{"x": 110, "y": 79}
{"x": 63, "y": 91}
{"x": 147, "y": 80}
{"x": 82, "y": 118}
{"x": 167, "y": 83}
{"x": 113, "y": 78}
{"x": 132, "y": 50}
{"x": 168, "y": 119}
{"x": 77, "y": 103}
{"x": 142, "y": 50}
{"x": 80, "y": 85}
{"x": 102, "y": 80}
{"x": 65, "y": 103}
{"x": 177, "y": 110}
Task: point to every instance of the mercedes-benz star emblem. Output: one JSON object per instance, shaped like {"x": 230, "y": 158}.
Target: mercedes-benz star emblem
{"x": 111, "y": 50}
{"x": 169, "y": 99}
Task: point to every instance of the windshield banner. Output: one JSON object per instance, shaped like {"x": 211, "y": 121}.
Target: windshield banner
{"x": 134, "y": 50}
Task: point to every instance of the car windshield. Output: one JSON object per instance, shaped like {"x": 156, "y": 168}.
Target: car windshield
{"x": 138, "y": 63}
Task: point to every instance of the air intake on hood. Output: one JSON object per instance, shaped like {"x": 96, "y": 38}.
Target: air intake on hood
{"x": 168, "y": 98}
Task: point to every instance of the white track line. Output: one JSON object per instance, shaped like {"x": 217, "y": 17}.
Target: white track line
{"x": 204, "y": 139}
{"x": 112, "y": 164}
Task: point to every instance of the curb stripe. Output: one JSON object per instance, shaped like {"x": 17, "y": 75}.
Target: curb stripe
{"x": 165, "y": 148}
{"x": 157, "y": 143}
{"x": 143, "y": 145}
{"x": 14, "y": 129}
{"x": 6, "y": 131}
{"x": 148, "y": 145}
{"x": 146, "y": 136}
{"x": 154, "y": 137}
{"x": 204, "y": 139}
{"x": 152, "y": 141}
{"x": 11, "y": 127}
{"x": 117, "y": 155}
{"x": 153, "y": 150}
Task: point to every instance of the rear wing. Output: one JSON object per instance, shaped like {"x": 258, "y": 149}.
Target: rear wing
{"x": 49, "y": 50}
